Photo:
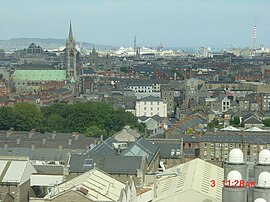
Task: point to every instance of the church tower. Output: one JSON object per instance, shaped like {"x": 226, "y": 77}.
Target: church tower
{"x": 71, "y": 57}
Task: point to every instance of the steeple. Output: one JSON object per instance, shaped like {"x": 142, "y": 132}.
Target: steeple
{"x": 70, "y": 35}
{"x": 94, "y": 48}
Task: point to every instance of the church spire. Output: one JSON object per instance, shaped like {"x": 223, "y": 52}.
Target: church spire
{"x": 70, "y": 35}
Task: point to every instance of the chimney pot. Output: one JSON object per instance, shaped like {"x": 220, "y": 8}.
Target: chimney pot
{"x": 60, "y": 147}
{"x": 54, "y": 135}
{"x": 6, "y": 146}
{"x": 69, "y": 140}
{"x": 44, "y": 139}
{"x": 18, "y": 140}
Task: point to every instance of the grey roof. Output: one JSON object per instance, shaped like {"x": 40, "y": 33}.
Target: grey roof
{"x": 104, "y": 148}
{"x": 46, "y": 140}
{"x": 151, "y": 98}
{"x": 122, "y": 164}
{"x": 222, "y": 138}
{"x": 253, "y": 120}
{"x": 116, "y": 164}
{"x": 41, "y": 154}
{"x": 50, "y": 169}
{"x": 143, "y": 118}
{"x": 191, "y": 123}
{"x": 165, "y": 146}
{"x": 142, "y": 148}
{"x": 155, "y": 117}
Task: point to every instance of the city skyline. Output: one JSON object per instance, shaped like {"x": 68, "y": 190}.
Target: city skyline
{"x": 175, "y": 24}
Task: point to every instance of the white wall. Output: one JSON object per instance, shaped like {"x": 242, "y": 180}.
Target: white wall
{"x": 150, "y": 109}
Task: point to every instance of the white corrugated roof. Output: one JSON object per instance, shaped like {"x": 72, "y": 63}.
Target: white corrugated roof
{"x": 2, "y": 166}
{"x": 100, "y": 186}
{"x": 16, "y": 171}
{"x": 194, "y": 175}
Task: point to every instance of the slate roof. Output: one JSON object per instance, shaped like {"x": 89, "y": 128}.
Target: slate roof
{"x": 104, "y": 148}
{"x": 165, "y": 146}
{"x": 78, "y": 141}
{"x": 116, "y": 164}
{"x": 49, "y": 169}
{"x": 41, "y": 154}
{"x": 191, "y": 123}
{"x": 253, "y": 120}
{"x": 142, "y": 148}
{"x": 151, "y": 98}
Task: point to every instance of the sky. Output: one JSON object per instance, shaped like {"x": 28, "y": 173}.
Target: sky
{"x": 175, "y": 23}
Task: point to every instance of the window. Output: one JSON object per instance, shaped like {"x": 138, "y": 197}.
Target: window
{"x": 157, "y": 108}
{"x": 151, "y": 103}
{"x": 144, "y": 108}
{"x": 151, "y": 108}
{"x": 88, "y": 162}
{"x": 205, "y": 145}
{"x": 157, "y": 103}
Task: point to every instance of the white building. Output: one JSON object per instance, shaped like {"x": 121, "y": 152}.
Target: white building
{"x": 150, "y": 106}
{"x": 225, "y": 104}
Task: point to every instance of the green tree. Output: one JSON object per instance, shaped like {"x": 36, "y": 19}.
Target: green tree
{"x": 266, "y": 122}
{"x": 213, "y": 124}
{"x": 235, "y": 121}
{"x": 6, "y": 118}
{"x": 27, "y": 117}
{"x": 94, "y": 131}
{"x": 189, "y": 131}
{"x": 55, "y": 122}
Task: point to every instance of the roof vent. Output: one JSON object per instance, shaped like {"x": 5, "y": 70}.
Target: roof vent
{"x": 83, "y": 190}
{"x": 264, "y": 157}
{"x": 260, "y": 200}
{"x": 233, "y": 176}
{"x": 264, "y": 180}
{"x": 236, "y": 156}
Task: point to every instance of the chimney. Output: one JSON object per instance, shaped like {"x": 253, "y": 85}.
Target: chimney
{"x": 76, "y": 135}
{"x": 44, "y": 139}
{"x": 69, "y": 140}
{"x": 31, "y": 133}
{"x": 60, "y": 147}
{"x": 6, "y": 146}
{"x": 53, "y": 135}
{"x": 18, "y": 140}
{"x": 101, "y": 138}
{"x": 10, "y": 132}
{"x": 33, "y": 146}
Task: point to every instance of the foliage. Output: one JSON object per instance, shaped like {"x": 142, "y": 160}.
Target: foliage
{"x": 94, "y": 131}
{"x": 213, "y": 124}
{"x": 27, "y": 117}
{"x": 266, "y": 122}
{"x": 235, "y": 121}
{"x": 124, "y": 69}
{"x": 6, "y": 118}
{"x": 189, "y": 131}
{"x": 92, "y": 118}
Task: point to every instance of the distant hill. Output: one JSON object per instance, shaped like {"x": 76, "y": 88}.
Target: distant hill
{"x": 21, "y": 43}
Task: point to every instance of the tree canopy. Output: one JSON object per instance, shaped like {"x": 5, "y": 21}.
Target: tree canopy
{"x": 91, "y": 118}
{"x": 266, "y": 122}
